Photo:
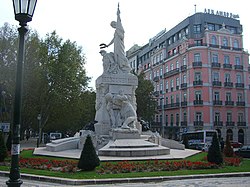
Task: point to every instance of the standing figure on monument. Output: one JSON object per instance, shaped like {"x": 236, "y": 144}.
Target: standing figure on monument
{"x": 118, "y": 41}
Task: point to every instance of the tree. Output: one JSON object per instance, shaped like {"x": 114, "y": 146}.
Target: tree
{"x": 228, "y": 150}
{"x": 146, "y": 103}
{"x": 214, "y": 153}
{"x": 89, "y": 159}
{"x": 3, "y": 149}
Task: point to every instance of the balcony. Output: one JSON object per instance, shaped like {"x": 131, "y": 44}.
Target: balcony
{"x": 238, "y": 67}
{"x": 172, "y": 105}
{"x": 198, "y": 123}
{"x": 239, "y": 85}
{"x": 198, "y": 102}
{"x": 227, "y": 66}
{"x": 183, "y": 123}
{"x": 229, "y": 123}
{"x": 171, "y": 73}
{"x": 229, "y": 103}
{"x": 159, "y": 107}
{"x": 198, "y": 83}
{"x": 197, "y": 64}
{"x": 225, "y": 47}
{"x": 184, "y": 103}
{"x": 183, "y": 85}
{"x": 218, "y": 123}
{"x": 215, "y": 65}
{"x": 156, "y": 93}
{"x": 241, "y": 124}
{"x": 216, "y": 83}
{"x": 184, "y": 68}
{"x": 156, "y": 79}
{"x": 240, "y": 103}
{"x": 217, "y": 102}
{"x": 228, "y": 84}
{"x": 214, "y": 46}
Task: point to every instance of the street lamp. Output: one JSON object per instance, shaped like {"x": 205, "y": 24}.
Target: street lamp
{"x": 23, "y": 10}
{"x": 39, "y": 117}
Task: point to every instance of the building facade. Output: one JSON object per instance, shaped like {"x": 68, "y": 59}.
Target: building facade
{"x": 201, "y": 76}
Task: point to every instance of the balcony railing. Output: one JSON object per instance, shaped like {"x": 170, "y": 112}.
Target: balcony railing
{"x": 156, "y": 93}
{"x": 229, "y": 103}
{"x": 241, "y": 124}
{"x": 197, "y": 64}
{"x": 217, "y": 102}
{"x": 198, "y": 102}
{"x": 225, "y": 47}
{"x": 183, "y": 85}
{"x": 239, "y": 85}
{"x": 238, "y": 67}
{"x": 172, "y": 105}
{"x": 240, "y": 103}
{"x": 198, "y": 123}
{"x": 218, "y": 123}
{"x": 171, "y": 73}
{"x": 198, "y": 83}
{"x": 228, "y": 84}
{"x": 184, "y": 123}
{"x": 216, "y": 83}
{"x": 227, "y": 66}
{"x": 184, "y": 103}
{"x": 215, "y": 65}
{"x": 229, "y": 123}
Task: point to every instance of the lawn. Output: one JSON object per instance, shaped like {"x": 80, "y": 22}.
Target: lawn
{"x": 27, "y": 154}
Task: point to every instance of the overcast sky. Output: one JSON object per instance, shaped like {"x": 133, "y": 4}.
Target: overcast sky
{"x": 88, "y": 21}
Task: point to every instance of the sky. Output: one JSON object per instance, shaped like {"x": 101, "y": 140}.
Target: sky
{"x": 87, "y": 22}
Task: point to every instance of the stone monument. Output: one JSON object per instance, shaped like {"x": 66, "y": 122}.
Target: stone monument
{"x": 115, "y": 91}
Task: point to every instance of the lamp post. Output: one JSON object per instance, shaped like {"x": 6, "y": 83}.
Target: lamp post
{"x": 39, "y": 117}
{"x": 24, "y": 10}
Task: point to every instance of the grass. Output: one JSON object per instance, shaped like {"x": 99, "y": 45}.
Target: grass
{"x": 245, "y": 167}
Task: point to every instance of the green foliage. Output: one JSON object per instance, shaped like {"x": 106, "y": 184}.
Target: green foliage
{"x": 89, "y": 159}
{"x": 185, "y": 142}
{"x": 145, "y": 100}
{"x": 3, "y": 149}
{"x": 214, "y": 153}
{"x": 9, "y": 141}
{"x": 228, "y": 150}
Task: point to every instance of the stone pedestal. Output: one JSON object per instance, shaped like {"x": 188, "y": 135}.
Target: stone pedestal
{"x": 124, "y": 134}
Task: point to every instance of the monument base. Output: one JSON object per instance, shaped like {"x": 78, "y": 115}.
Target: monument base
{"x": 120, "y": 133}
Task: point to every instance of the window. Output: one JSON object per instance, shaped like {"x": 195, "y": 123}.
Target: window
{"x": 150, "y": 76}
{"x": 172, "y": 119}
{"x": 214, "y": 40}
{"x": 216, "y": 76}
{"x": 172, "y": 99}
{"x": 236, "y": 43}
{"x": 197, "y": 76}
{"x": 161, "y": 119}
{"x": 177, "y": 64}
{"x": 166, "y": 119}
{"x": 184, "y": 116}
{"x": 184, "y": 79}
{"x": 239, "y": 97}
{"x": 217, "y": 117}
{"x": 240, "y": 117}
{"x": 216, "y": 96}
{"x": 229, "y": 116}
{"x": 226, "y": 59}
{"x": 161, "y": 87}
{"x": 225, "y": 42}
{"x": 197, "y": 95}
{"x": 166, "y": 100}
{"x": 177, "y": 118}
{"x": 227, "y": 77}
{"x": 172, "y": 83}
{"x": 211, "y": 27}
{"x": 161, "y": 57}
{"x": 186, "y": 31}
{"x": 228, "y": 96}
{"x": 237, "y": 60}
{"x": 238, "y": 78}
{"x": 166, "y": 85}
{"x": 177, "y": 81}
{"x": 197, "y": 29}
{"x": 184, "y": 61}
{"x": 215, "y": 58}
{"x": 177, "y": 98}
{"x": 198, "y": 116}
{"x": 184, "y": 97}
{"x": 197, "y": 57}
{"x": 171, "y": 67}
{"x": 166, "y": 68}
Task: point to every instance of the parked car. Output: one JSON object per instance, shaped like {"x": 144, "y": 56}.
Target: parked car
{"x": 236, "y": 144}
{"x": 244, "y": 151}
{"x": 202, "y": 146}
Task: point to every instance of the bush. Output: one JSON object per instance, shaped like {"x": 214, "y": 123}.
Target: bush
{"x": 3, "y": 149}
{"x": 228, "y": 150}
{"x": 89, "y": 159}
{"x": 214, "y": 153}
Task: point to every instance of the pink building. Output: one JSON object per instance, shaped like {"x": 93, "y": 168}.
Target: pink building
{"x": 201, "y": 75}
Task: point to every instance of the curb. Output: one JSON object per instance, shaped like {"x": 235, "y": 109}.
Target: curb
{"x": 123, "y": 180}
